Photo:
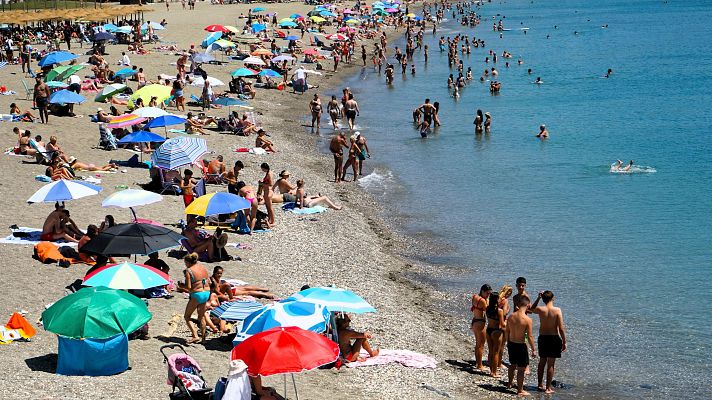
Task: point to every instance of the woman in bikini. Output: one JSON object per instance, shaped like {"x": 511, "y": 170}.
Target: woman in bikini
{"x": 334, "y": 112}
{"x": 266, "y": 190}
{"x": 197, "y": 283}
{"x": 304, "y": 201}
{"x": 479, "y": 323}
{"x": 495, "y": 332}
{"x": 315, "y": 108}
{"x": 248, "y": 192}
{"x": 504, "y": 294}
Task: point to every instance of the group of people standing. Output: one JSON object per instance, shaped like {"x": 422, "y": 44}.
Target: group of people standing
{"x": 494, "y": 325}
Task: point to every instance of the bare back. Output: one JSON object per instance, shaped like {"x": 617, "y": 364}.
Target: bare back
{"x": 518, "y": 326}
{"x": 550, "y": 320}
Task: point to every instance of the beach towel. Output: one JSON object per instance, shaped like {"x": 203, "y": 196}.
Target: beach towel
{"x": 406, "y": 358}
{"x": 191, "y": 382}
{"x": 254, "y": 150}
{"x": 28, "y": 236}
{"x": 292, "y": 207}
{"x": 17, "y": 321}
{"x": 49, "y": 253}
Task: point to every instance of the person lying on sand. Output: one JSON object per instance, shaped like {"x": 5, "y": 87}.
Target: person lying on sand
{"x": 225, "y": 292}
{"x": 350, "y": 352}
{"x": 58, "y": 169}
{"x": 24, "y": 115}
{"x": 303, "y": 200}
{"x": 80, "y": 166}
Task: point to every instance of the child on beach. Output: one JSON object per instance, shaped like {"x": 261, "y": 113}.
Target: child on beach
{"x": 519, "y": 329}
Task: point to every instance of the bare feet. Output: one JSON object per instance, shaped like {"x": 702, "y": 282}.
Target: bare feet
{"x": 193, "y": 340}
{"x": 375, "y": 353}
{"x": 361, "y": 359}
{"x": 540, "y": 388}
{"x": 523, "y": 393}
{"x": 549, "y": 391}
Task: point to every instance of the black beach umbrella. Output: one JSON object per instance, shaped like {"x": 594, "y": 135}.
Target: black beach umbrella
{"x": 101, "y": 36}
{"x": 132, "y": 238}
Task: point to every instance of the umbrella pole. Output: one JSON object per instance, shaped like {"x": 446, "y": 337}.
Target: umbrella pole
{"x": 135, "y": 219}
{"x": 296, "y": 395}
{"x": 284, "y": 378}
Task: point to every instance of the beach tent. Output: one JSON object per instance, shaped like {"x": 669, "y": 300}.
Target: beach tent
{"x": 93, "y": 357}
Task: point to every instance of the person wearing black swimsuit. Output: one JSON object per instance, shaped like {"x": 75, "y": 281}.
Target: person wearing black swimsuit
{"x": 495, "y": 333}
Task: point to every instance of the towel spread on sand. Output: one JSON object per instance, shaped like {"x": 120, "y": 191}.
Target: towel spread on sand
{"x": 291, "y": 207}
{"x": 406, "y": 358}
{"x": 32, "y": 237}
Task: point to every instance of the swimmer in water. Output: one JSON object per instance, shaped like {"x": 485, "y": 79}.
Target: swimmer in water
{"x": 617, "y": 165}
{"x": 538, "y": 80}
{"x": 627, "y": 167}
{"x": 543, "y": 133}
{"x": 608, "y": 73}
{"x": 424, "y": 128}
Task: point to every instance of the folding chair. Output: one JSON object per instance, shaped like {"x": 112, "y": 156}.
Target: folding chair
{"x": 29, "y": 92}
{"x": 169, "y": 183}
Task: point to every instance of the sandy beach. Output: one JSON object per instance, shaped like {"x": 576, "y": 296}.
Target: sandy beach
{"x": 352, "y": 248}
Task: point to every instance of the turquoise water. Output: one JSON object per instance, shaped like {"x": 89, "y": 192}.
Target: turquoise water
{"x": 628, "y": 256}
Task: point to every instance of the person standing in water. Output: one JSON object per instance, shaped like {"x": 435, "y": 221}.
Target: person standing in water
{"x": 488, "y": 122}
{"x": 479, "y": 121}
{"x": 543, "y": 133}
{"x": 336, "y": 146}
{"x": 517, "y": 332}
{"x": 351, "y": 110}
{"x": 552, "y": 338}
{"x": 333, "y": 109}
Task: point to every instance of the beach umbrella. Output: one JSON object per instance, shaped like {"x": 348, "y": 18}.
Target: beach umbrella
{"x": 282, "y": 57}
{"x": 204, "y": 57}
{"x": 410, "y": 15}
{"x": 123, "y": 29}
{"x": 232, "y": 29}
{"x": 110, "y": 90}
{"x": 270, "y": 73}
{"x": 346, "y": 29}
{"x": 122, "y": 121}
{"x": 334, "y": 299}
{"x": 216, "y": 28}
{"x": 336, "y": 36}
{"x": 288, "y": 24}
{"x": 317, "y": 19}
{"x": 315, "y": 12}
{"x": 150, "y": 112}
{"x": 291, "y": 37}
{"x": 56, "y": 84}
{"x": 127, "y": 276}
{"x": 223, "y": 43}
{"x": 353, "y": 22}
{"x": 236, "y": 310}
{"x": 212, "y": 37}
{"x": 130, "y": 198}
{"x": 132, "y": 238}
{"x": 259, "y": 9}
{"x": 286, "y": 20}
{"x": 311, "y": 52}
{"x": 101, "y": 36}
{"x": 155, "y": 25}
{"x": 142, "y": 137}
{"x": 284, "y": 350}
{"x": 392, "y": 10}
{"x": 261, "y": 52}
{"x": 110, "y": 27}
{"x": 253, "y": 61}
{"x": 65, "y": 96}
{"x": 309, "y": 316}
{"x": 230, "y": 102}
{"x": 347, "y": 11}
{"x": 243, "y": 72}
{"x": 56, "y": 57}
{"x": 63, "y": 190}
{"x": 97, "y": 313}
{"x": 217, "y": 203}
{"x": 165, "y": 120}
{"x": 296, "y": 16}
{"x": 161, "y": 93}
{"x": 126, "y": 72}
{"x": 327, "y": 14}
{"x": 213, "y": 82}
{"x": 177, "y": 152}
{"x": 258, "y": 28}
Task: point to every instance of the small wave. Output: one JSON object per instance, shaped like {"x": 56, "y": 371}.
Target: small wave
{"x": 636, "y": 169}
{"x": 376, "y": 180}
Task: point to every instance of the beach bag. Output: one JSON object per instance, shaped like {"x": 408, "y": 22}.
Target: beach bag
{"x": 69, "y": 252}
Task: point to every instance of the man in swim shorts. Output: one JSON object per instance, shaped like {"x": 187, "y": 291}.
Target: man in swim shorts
{"x": 336, "y": 147}
{"x": 517, "y": 332}
{"x": 428, "y": 111}
{"x": 552, "y": 338}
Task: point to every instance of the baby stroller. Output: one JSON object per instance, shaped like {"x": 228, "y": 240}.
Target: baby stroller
{"x": 184, "y": 375}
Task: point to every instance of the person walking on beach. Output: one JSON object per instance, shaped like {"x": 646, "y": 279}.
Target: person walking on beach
{"x": 197, "y": 284}
{"x": 351, "y": 110}
{"x": 336, "y": 146}
{"x": 41, "y": 99}
{"x": 333, "y": 109}
{"x": 517, "y": 333}
{"x": 479, "y": 323}
{"x": 552, "y": 338}
{"x": 315, "y": 108}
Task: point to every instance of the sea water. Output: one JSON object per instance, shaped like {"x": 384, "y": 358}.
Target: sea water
{"x": 628, "y": 255}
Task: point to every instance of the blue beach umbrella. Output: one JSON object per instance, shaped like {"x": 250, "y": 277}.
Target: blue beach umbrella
{"x": 165, "y": 120}
{"x": 142, "y": 137}
{"x": 65, "y": 96}
{"x": 258, "y": 27}
{"x": 228, "y": 102}
{"x": 63, "y": 190}
{"x": 177, "y": 152}
{"x": 259, "y": 9}
{"x": 243, "y": 72}
{"x": 236, "y": 310}
{"x": 270, "y": 73}
{"x": 308, "y": 316}
{"x": 288, "y": 24}
{"x": 295, "y": 16}
{"x": 217, "y": 203}
{"x": 292, "y": 37}
{"x": 123, "y": 29}
{"x": 56, "y": 57}
{"x": 335, "y": 299}
{"x": 327, "y": 14}
{"x": 126, "y": 72}
{"x": 101, "y": 36}
{"x": 110, "y": 27}
{"x": 211, "y": 38}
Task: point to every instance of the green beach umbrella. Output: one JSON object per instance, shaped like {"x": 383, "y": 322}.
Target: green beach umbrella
{"x": 62, "y": 73}
{"x": 97, "y": 313}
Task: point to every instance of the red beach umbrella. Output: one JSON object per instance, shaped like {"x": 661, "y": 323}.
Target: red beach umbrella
{"x": 285, "y": 350}
{"x": 216, "y": 28}
{"x": 312, "y": 52}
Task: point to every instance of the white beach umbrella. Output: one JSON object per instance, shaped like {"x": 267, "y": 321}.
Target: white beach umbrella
{"x": 63, "y": 190}
{"x": 150, "y": 112}
{"x": 213, "y": 81}
{"x": 253, "y": 61}
{"x": 130, "y": 198}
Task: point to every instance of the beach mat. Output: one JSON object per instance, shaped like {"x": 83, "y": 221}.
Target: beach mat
{"x": 291, "y": 207}
{"x": 30, "y": 236}
{"x": 406, "y": 358}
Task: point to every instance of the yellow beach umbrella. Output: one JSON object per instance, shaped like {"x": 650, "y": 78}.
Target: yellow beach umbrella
{"x": 353, "y": 22}
{"x": 217, "y": 203}
{"x": 317, "y": 19}
{"x": 286, "y": 20}
{"x": 224, "y": 43}
{"x": 411, "y": 15}
{"x": 161, "y": 93}
{"x": 232, "y": 29}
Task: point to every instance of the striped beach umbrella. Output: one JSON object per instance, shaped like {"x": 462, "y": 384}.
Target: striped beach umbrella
{"x": 63, "y": 190}
{"x": 309, "y": 316}
{"x": 334, "y": 299}
{"x": 126, "y": 276}
{"x": 109, "y": 90}
{"x": 217, "y": 203}
{"x": 180, "y": 151}
{"x": 125, "y": 120}
{"x": 210, "y": 38}
{"x": 236, "y": 310}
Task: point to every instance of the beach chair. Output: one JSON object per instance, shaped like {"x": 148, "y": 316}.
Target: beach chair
{"x": 43, "y": 156}
{"x": 29, "y": 92}
{"x": 107, "y": 140}
{"x": 169, "y": 182}
{"x": 184, "y": 374}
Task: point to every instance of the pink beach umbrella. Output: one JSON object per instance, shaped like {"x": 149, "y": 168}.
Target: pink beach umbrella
{"x": 336, "y": 36}
{"x": 125, "y": 120}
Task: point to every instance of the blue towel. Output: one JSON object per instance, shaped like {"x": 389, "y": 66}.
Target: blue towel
{"x": 291, "y": 207}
